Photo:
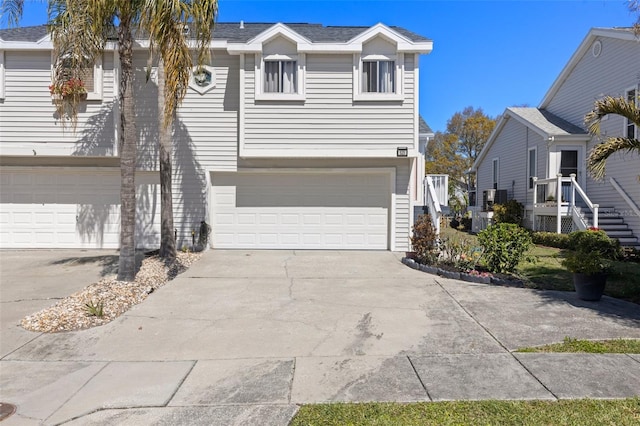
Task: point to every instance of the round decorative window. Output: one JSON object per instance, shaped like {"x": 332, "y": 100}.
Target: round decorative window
{"x": 596, "y": 49}
{"x": 202, "y": 79}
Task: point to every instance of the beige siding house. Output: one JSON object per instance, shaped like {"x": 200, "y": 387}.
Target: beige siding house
{"x": 295, "y": 136}
{"x": 551, "y": 140}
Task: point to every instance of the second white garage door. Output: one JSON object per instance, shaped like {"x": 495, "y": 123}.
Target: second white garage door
{"x": 301, "y": 210}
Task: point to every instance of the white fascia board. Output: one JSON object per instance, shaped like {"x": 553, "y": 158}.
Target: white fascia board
{"x": 330, "y": 48}
{"x": 328, "y": 153}
{"x": 424, "y": 47}
{"x": 25, "y": 45}
{"x": 380, "y": 29}
{"x": 279, "y": 29}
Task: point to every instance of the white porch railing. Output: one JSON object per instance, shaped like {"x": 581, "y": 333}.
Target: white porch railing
{"x": 440, "y": 186}
{"x": 431, "y": 193}
{"x": 560, "y": 206}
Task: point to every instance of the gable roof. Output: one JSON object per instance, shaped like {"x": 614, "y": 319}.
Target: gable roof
{"x": 544, "y": 122}
{"x": 236, "y": 32}
{"x": 423, "y": 127}
{"x": 616, "y": 33}
{"x": 541, "y": 121}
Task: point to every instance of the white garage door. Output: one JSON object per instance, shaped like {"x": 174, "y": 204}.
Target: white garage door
{"x": 71, "y": 208}
{"x": 301, "y": 210}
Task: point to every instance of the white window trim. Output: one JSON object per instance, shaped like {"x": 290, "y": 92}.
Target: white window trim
{"x": 495, "y": 173}
{"x": 358, "y": 59}
{"x": 260, "y": 95}
{"x": 2, "y": 75}
{"x": 98, "y": 74}
{"x": 625, "y": 121}
{"x": 529, "y": 175}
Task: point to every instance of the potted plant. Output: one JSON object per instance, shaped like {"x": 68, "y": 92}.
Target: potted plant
{"x": 590, "y": 261}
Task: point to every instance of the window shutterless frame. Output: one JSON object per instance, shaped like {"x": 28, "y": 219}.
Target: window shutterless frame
{"x": 280, "y": 77}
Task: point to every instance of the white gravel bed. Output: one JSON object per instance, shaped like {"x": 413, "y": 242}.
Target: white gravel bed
{"x": 116, "y": 297}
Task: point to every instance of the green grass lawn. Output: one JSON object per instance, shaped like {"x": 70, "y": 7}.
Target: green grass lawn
{"x": 614, "y": 346}
{"x": 548, "y": 274}
{"x": 585, "y": 412}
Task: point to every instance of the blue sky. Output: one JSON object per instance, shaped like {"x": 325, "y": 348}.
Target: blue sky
{"x": 488, "y": 54}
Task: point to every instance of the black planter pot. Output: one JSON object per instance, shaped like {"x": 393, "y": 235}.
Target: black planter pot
{"x": 589, "y": 287}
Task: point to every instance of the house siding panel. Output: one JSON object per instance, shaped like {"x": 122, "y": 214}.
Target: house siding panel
{"x": 27, "y": 116}
{"x": 510, "y": 147}
{"x": 611, "y": 73}
{"x": 205, "y": 138}
{"x": 328, "y": 119}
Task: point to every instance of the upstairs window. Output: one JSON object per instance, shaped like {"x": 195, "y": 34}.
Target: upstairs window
{"x": 90, "y": 77}
{"x": 630, "y": 130}
{"x": 494, "y": 173}
{"x": 281, "y": 77}
{"x": 378, "y": 77}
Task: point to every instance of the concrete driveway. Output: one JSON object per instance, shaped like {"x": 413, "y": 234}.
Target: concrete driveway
{"x": 245, "y": 336}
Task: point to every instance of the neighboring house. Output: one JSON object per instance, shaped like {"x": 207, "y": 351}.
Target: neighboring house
{"x": 296, "y": 136}
{"x": 530, "y": 143}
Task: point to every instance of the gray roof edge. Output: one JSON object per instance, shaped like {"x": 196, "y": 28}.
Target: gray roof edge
{"x": 233, "y": 31}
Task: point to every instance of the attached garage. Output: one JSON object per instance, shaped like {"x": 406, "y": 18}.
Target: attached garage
{"x": 73, "y": 207}
{"x": 302, "y": 209}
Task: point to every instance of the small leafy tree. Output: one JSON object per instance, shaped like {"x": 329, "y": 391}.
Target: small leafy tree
{"x": 505, "y": 245}
{"x": 424, "y": 240}
{"x": 509, "y": 212}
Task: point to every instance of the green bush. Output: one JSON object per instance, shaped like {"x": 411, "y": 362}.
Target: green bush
{"x": 550, "y": 239}
{"x": 505, "y": 245}
{"x": 509, "y": 212}
{"x": 594, "y": 240}
{"x": 424, "y": 240}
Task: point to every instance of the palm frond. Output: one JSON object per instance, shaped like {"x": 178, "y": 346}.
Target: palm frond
{"x": 598, "y": 156}
{"x": 610, "y": 105}
{"x": 11, "y": 12}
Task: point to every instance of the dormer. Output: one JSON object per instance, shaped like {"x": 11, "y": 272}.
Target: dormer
{"x": 279, "y": 64}
{"x": 280, "y": 71}
{"x": 378, "y": 69}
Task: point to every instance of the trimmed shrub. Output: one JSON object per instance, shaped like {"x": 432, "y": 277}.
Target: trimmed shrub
{"x": 454, "y": 223}
{"x": 424, "y": 240}
{"x": 595, "y": 240}
{"x": 550, "y": 239}
{"x": 465, "y": 222}
{"x": 505, "y": 245}
{"x": 509, "y": 212}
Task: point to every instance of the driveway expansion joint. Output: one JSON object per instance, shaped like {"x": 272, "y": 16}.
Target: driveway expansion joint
{"x": 419, "y": 378}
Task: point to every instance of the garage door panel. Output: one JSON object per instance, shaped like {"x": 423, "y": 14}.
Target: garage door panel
{"x": 65, "y": 208}
{"x": 313, "y": 211}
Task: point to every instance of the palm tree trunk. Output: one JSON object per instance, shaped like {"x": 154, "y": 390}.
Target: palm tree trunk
{"x": 167, "y": 237}
{"x": 128, "y": 154}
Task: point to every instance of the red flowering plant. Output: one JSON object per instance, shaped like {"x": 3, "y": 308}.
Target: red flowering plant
{"x": 67, "y": 94}
{"x": 74, "y": 87}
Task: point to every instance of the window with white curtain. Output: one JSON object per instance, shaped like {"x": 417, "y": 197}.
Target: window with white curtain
{"x": 280, "y": 77}
{"x": 378, "y": 77}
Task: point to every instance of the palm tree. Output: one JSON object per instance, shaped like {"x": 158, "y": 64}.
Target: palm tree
{"x": 627, "y": 108}
{"x": 79, "y": 31}
{"x": 166, "y": 21}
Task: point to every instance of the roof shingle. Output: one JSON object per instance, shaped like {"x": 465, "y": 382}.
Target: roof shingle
{"x": 232, "y": 32}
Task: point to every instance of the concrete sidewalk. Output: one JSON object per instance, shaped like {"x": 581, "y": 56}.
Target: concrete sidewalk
{"x": 245, "y": 337}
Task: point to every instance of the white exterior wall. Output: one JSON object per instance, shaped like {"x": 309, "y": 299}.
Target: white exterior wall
{"x": 205, "y": 137}
{"x": 510, "y": 147}
{"x": 27, "y": 115}
{"x": 328, "y": 120}
{"x": 611, "y": 73}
